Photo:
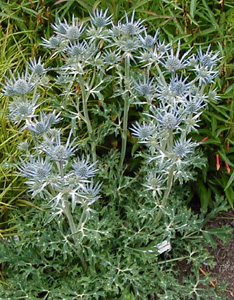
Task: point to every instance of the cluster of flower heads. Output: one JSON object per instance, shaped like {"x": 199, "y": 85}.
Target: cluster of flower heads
{"x": 84, "y": 43}
{"x": 58, "y": 173}
{"x": 175, "y": 84}
{"x": 103, "y": 44}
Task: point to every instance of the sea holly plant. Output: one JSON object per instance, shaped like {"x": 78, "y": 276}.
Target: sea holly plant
{"x": 102, "y": 231}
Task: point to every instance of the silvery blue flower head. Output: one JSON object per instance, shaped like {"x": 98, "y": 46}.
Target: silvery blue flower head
{"x": 60, "y": 27}
{"x": 145, "y": 57}
{"x": 145, "y": 87}
{"x": 179, "y": 86}
{"x": 43, "y": 125}
{"x": 167, "y": 117}
{"x": 59, "y": 152}
{"x": 148, "y": 41}
{"x": 52, "y": 43}
{"x": 90, "y": 192}
{"x": 77, "y": 49}
{"x": 72, "y": 32}
{"x": 83, "y": 168}
{"x": 37, "y": 169}
{"x": 213, "y": 95}
{"x": 155, "y": 183}
{"x": 209, "y": 58}
{"x": 143, "y": 131}
{"x": 164, "y": 92}
{"x": 172, "y": 62}
{"x": 20, "y": 85}
{"x": 193, "y": 104}
{"x": 23, "y": 146}
{"x": 100, "y": 19}
{"x": 37, "y": 67}
{"x": 21, "y": 110}
{"x": 63, "y": 79}
{"x": 162, "y": 47}
{"x": 129, "y": 28}
{"x": 129, "y": 45}
{"x": 205, "y": 74}
{"x": 182, "y": 147}
{"x": 111, "y": 57}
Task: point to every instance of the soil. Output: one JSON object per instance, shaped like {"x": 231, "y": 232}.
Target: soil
{"x": 224, "y": 255}
{"x": 223, "y": 270}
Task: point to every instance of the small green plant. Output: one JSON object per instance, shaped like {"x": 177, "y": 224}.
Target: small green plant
{"x": 99, "y": 229}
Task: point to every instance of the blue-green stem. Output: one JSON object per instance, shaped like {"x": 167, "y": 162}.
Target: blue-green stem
{"x": 166, "y": 195}
{"x": 169, "y": 180}
{"x": 86, "y": 116}
{"x": 74, "y": 230}
{"x": 202, "y": 89}
{"x": 126, "y": 109}
{"x": 160, "y": 73}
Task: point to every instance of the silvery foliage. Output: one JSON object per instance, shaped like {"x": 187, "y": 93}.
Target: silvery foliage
{"x": 172, "y": 87}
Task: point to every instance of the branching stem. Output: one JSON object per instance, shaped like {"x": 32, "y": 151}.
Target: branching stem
{"x": 126, "y": 109}
{"x": 67, "y": 212}
{"x": 74, "y": 231}
{"x": 86, "y": 116}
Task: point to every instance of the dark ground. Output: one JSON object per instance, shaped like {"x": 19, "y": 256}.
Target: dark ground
{"x": 224, "y": 255}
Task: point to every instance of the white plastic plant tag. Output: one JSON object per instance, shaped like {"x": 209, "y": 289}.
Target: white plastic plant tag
{"x": 163, "y": 247}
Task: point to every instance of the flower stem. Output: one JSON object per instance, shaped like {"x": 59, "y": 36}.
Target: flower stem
{"x": 67, "y": 212}
{"x": 166, "y": 195}
{"x": 161, "y": 74}
{"x": 86, "y": 116}
{"x": 126, "y": 109}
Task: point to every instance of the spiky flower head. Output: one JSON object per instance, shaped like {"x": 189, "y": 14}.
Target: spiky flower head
{"x": 148, "y": 41}
{"x": 63, "y": 79}
{"x": 167, "y": 117}
{"x": 172, "y": 62}
{"x": 44, "y": 123}
{"x": 21, "y": 110}
{"x": 20, "y": 85}
{"x": 37, "y": 67}
{"x": 205, "y": 74}
{"x": 194, "y": 104}
{"x": 162, "y": 47}
{"x": 23, "y": 146}
{"x": 90, "y": 192}
{"x": 129, "y": 28}
{"x": 209, "y": 58}
{"x": 179, "y": 87}
{"x": 74, "y": 31}
{"x": 145, "y": 87}
{"x": 213, "y": 95}
{"x": 36, "y": 169}
{"x": 143, "y": 131}
{"x": 127, "y": 45}
{"x": 155, "y": 183}
{"x": 59, "y": 152}
{"x": 100, "y": 19}
{"x": 182, "y": 147}
{"x": 77, "y": 49}
{"x": 111, "y": 57}
{"x": 60, "y": 27}
{"x": 52, "y": 43}
{"x": 83, "y": 168}
{"x": 145, "y": 57}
